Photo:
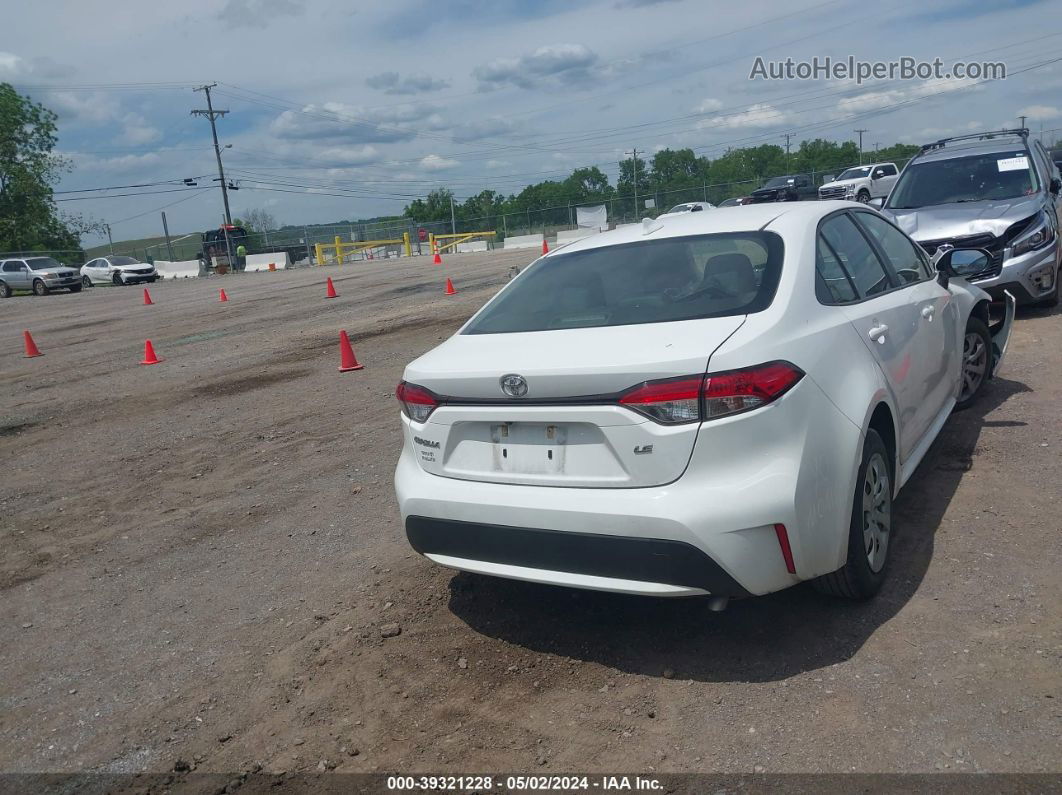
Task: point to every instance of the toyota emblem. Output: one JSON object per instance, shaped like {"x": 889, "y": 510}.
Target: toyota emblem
{"x": 513, "y": 385}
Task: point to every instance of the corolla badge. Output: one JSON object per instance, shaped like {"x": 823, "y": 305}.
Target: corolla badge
{"x": 513, "y": 385}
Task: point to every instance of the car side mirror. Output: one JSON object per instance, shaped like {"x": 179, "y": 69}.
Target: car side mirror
{"x": 877, "y": 175}
{"x": 1056, "y": 185}
{"x": 961, "y": 262}
{"x": 877, "y": 202}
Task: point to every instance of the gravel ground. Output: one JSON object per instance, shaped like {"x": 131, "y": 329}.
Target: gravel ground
{"x": 203, "y": 561}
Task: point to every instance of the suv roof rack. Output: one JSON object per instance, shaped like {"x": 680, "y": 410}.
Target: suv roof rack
{"x": 939, "y": 144}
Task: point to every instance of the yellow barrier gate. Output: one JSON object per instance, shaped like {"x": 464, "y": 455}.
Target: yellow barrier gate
{"x": 454, "y": 240}
{"x": 340, "y": 248}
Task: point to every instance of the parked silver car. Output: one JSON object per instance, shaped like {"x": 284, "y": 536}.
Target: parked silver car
{"x": 39, "y": 274}
{"x": 994, "y": 191}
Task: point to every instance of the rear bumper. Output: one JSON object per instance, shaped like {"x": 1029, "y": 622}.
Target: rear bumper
{"x": 645, "y": 563}
{"x": 710, "y": 531}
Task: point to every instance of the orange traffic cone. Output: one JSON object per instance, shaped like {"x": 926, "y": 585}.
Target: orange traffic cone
{"x": 331, "y": 291}
{"x": 545, "y": 246}
{"x": 149, "y": 354}
{"x": 147, "y": 298}
{"x": 450, "y": 288}
{"x": 272, "y": 266}
{"x": 437, "y": 259}
{"x": 223, "y": 297}
{"x": 347, "y": 360}
{"x": 31, "y": 346}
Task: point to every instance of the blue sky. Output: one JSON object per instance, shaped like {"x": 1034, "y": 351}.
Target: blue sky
{"x": 380, "y": 102}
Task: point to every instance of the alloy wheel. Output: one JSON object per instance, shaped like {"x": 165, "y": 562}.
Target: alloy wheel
{"x": 877, "y": 512}
{"x": 974, "y": 364}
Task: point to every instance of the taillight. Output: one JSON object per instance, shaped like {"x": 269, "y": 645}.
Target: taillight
{"x": 694, "y": 398}
{"x": 671, "y": 401}
{"x": 735, "y": 391}
{"x": 417, "y": 402}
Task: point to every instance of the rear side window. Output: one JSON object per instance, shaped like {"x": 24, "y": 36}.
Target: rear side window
{"x": 832, "y": 285}
{"x": 856, "y": 255}
{"x": 653, "y": 281}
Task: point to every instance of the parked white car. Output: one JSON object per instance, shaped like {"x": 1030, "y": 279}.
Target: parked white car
{"x": 861, "y": 183}
{"x": 687, "y": 207}
{"x": 718, "y": 403}
{"x": 117, "y": 271}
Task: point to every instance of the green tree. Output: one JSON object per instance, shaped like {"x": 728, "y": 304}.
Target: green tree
{"x": 29, "y": 220}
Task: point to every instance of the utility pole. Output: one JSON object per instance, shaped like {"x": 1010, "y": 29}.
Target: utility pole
{"x": 109, "y": 241}
{"x": 166, "y": 231}
{"x": 1022, "y": 125}
{"x": 861, "y": 144}
{"x": 634, "y": 159}
{"x": 786, "y": 152}
{"x": 453, "y": 221}
{"x": 212, "y": 114}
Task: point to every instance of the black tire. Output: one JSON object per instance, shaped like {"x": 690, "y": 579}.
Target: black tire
{"x": 153, "y": 279}
{"x": 116, "y": 279}
{"x": 976, "y": 362}
{"x": 75, "y": 288}
{"x": 858, "y": 578}
{"x": 40, "y": 288}
{"x": 863, "y": 197}
{"x": 86, "y": 281}
{"x": 5, "y": 291}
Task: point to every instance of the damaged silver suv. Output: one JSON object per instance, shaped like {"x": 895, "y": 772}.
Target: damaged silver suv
{"x": 997, "y": 191}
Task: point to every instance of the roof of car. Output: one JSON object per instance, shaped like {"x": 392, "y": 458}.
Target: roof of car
{"x": 745, "y": 218}
{"x": 1004, "y": 143}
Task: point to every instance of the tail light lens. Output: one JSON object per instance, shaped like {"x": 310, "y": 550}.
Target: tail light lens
{"x": 417, "y": 402}
{"x": 735, "y": 391}
{"x": 671, "y": 401}
{"x": 695, "y": 398}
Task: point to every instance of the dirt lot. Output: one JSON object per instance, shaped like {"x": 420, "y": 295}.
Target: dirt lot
{"x": 198, "y": 558}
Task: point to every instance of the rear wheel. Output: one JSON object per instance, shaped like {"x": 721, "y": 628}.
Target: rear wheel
{"x": 870, "y": 529}
{"x": 5, "y": 291}
{"x": 40, "y": 288}
{"x": 116, "y": 280}
{"x": 976, "y": 362}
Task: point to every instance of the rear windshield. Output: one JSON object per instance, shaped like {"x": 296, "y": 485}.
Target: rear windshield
{"x": 1003, "y": 175}
{"x": 645, "y": 282}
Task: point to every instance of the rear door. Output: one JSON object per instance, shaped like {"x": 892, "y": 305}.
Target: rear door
{"x": 17, "y": 274}
{"x": 883, "y": 184}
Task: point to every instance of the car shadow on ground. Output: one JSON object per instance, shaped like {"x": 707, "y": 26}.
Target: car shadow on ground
{"x": 755, "y": 640}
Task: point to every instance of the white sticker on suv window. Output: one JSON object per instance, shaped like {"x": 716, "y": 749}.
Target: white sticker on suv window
{"x": 1013, "y": 163}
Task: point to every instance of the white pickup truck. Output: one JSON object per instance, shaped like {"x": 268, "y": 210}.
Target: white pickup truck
{"x": 861, "y": 183}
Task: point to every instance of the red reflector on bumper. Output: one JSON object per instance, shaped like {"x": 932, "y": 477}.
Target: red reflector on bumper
{"x": 787, "y": 552}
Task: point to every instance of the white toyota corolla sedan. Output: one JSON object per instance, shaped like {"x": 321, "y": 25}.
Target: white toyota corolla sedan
{"x": 720, "y": 403}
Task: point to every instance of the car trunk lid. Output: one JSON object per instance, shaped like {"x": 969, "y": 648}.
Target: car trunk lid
{"x": 567, "y": 430}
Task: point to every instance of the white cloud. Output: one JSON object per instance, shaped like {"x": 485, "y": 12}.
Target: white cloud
{"x": 136, "y": 131}
{"x": 436, "y": 163}
{"x": 760, "y": 115}
{"x": 483, "y": 128}
{"x": 1040, "y": 112}
{"x": 708, "y": 106}
{"x": 394, "y": 83}
{"x": 353, "y": 124}
{"x": 120, "y": 164}
{"x": 497, "y": 163}
{"x": 549, "y": 64}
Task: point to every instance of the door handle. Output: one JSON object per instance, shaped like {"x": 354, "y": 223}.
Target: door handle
{"x": 877, "y": 333}
{"x": 927, "y": 312}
